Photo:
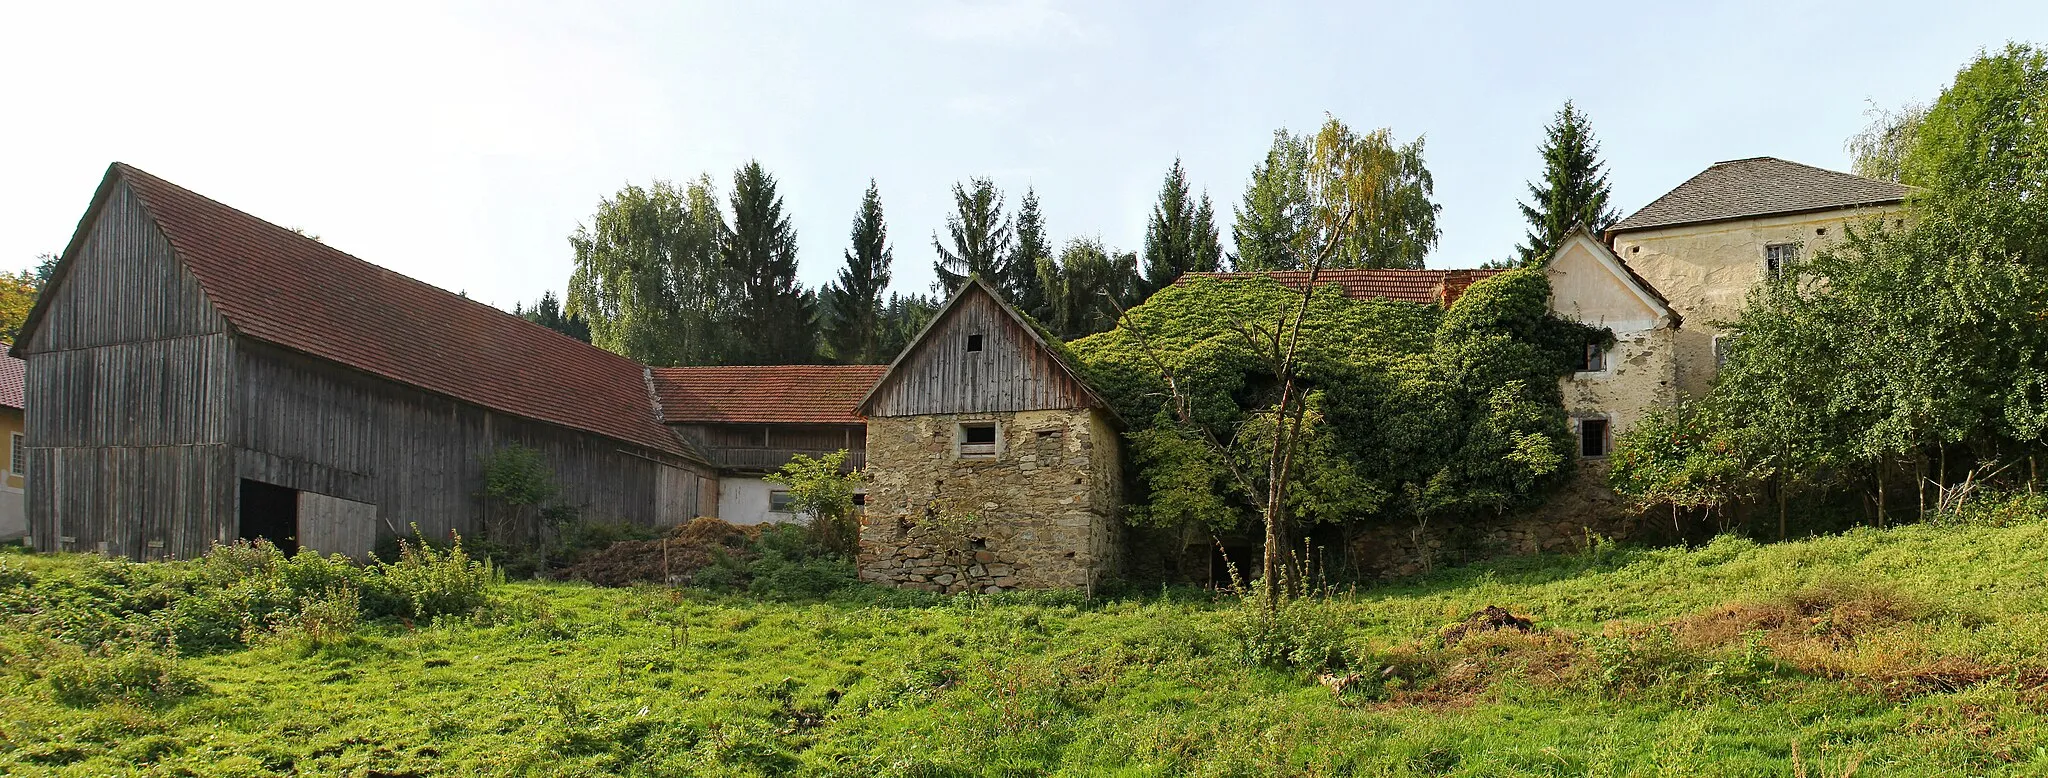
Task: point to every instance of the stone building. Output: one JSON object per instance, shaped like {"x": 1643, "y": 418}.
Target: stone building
{"x": 992, "y": 464}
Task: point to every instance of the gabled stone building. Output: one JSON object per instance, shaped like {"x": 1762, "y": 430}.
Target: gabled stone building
{"x": 991, "y": 463}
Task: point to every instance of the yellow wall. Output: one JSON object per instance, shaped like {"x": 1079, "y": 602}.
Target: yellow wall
{"x": 1707, "y": 270}
{"x": 1588, "y": 286}
{"x": 10, "y": 425}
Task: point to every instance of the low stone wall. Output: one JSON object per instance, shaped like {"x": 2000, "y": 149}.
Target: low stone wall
{"x": 1566, "y": 522}
{"x": 1041, "y": 514}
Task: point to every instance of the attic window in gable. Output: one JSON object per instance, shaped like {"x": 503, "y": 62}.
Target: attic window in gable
{"x": 974, "y": 342}
{"x": 1779, "y": 258}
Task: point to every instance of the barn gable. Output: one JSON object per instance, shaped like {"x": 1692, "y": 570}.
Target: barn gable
{"x": 978, "y": 355}
{"x": 117, "y": 253}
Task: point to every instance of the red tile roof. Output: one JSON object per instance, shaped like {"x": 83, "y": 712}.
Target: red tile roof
{"x": 13, "y": 382}
{"x": 764, "y": 394}
{"x": 281, "y": 287}
{"x": 1415, "y": 286}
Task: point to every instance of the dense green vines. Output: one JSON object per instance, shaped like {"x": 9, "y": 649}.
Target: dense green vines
{"x": 1414, "y": 411}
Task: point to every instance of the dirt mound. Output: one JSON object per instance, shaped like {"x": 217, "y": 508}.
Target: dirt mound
{"x": 1830, "y": 615}
{"x": 677, "y": 555}
{"x": 1493, "y": 619}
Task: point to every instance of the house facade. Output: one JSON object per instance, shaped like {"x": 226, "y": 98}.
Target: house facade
{"x": 1711, "y": 239}
{"x": 13, "y": 421}
{"x": 992, "y": 464}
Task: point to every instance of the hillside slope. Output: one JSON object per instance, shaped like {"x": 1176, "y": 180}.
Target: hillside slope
{"x": 1911, "y": 651}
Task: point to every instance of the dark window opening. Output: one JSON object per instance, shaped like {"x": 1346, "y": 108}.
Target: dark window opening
{"x": 779, "y": 501}
{"x": 978, "y": 440}
{"x": 974, "y": 342}
{"x": 270, "y": 512}
{"x": 1592, "y": 437}
{"x": 1593, "y": 358}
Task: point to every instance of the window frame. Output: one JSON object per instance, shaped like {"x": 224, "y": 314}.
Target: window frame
{"x": 1780, "y": 258}
{"x": 788, "y": 501}
{"x": 1606, "y": 435}
{"x": 962, "y": 449}
{"x": 1593, "y": 361}
{"x": 17, "y": 451}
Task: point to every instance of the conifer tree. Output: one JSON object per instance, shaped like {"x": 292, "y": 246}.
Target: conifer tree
{"x": 853, "y": 305}
{"x": 981, "y": 235}
{"x": 1181, "y": 236}
{"x": 1573, "y": 190}
{"x": 775, "y": 313}
{"x": 1271, "y": 217}
{"x": 1020, "y": 282}
{"x": 548, "y": 313}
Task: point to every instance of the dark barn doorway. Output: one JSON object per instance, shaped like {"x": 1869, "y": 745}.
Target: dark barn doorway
{"x": 270, "y": 512}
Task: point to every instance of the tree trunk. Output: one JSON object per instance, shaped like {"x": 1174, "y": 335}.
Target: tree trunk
{"x": 1920, "y": 483}
{"x": 1781, "y": 509}
{"x": 1880, "y": 492}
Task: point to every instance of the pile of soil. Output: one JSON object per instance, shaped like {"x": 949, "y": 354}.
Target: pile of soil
{"x": 1493, "y": 619}
{"x": 673, "y": 558}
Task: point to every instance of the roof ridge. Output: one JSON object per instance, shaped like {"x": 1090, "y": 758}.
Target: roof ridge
{"x": 128, "y": 169}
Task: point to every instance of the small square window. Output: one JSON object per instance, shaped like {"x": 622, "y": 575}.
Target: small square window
{"x": 17, "y": 454}
{"x": 1779, "y": 258}
{"x": 978, "y": 440}
{"x": 779, "y": 501}
{"x": 1593, "y": 359}
{"x": 1592, "y": 437}
{"x": 974, "y": 342}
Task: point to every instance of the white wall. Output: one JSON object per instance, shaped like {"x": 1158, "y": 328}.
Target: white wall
{"x": 743, "y": 500}
{"x": 13, "y": 519}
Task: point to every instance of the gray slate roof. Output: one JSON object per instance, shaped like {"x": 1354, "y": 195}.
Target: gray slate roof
{"x": 1759, "y": 186}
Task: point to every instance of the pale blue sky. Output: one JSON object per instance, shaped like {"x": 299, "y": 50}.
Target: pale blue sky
{"x": 461, "y": 143}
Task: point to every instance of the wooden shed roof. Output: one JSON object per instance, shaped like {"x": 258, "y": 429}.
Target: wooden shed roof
{"x": 278, "y": 286}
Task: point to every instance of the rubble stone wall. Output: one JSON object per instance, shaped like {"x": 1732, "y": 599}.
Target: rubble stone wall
{"x": 1042, "y": 513}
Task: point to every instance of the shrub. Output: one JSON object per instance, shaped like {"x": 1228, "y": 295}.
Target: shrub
{"x": 821, "y": 489}
{"x": 141, "y": 676}
{"x": 1303, "y": 633}
{"x": 425, "y": 581}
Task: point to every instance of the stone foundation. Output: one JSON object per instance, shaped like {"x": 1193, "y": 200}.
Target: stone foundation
{"x": 1041, "y": 513}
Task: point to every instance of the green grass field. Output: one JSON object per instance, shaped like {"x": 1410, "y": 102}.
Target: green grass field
{"x": 1911, "y": 651}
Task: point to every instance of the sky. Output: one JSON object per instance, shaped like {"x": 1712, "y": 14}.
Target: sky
{"x": 462, "y": 143}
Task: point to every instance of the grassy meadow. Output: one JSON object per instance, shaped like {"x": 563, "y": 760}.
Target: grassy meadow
{"x": 1909, "y": 651}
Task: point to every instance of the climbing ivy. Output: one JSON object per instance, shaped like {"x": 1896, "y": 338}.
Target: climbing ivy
{"x": 1414, "y": 411}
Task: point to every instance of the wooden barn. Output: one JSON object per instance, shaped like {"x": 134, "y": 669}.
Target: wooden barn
{"x": 751, "y": 419}
{"x": 196, "y": 374}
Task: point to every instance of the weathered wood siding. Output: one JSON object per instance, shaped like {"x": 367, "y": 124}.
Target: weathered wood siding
{"x": 331, "y": 525}
{"x": 128, "y": 417}
{"x": 319, "y": 427}
{"x": 1009, "y": 373}
{"x": 766, "y": 447}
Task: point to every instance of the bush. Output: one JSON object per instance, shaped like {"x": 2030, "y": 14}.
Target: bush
{"x": 425, "y": 581}
{"x": 1303, "y": 633}
{"x": 140, "y": 676}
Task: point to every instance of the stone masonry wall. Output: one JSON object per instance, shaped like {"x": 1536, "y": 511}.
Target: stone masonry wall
{"x": 1042, "y": 514}
{"x": 1566, "y": 522}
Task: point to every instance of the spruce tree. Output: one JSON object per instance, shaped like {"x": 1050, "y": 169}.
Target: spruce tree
{"x": 548, "y": 313}
{"x": 1573, "y": 190}
{"x": 981, "y": 237}
{"x": 1020, "y": 280}
{"x": 853, "y": 304}
{"x": 775, "y": 314}
{"x": 1181, "y": 236}
{"x": 1275, "y": 208}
